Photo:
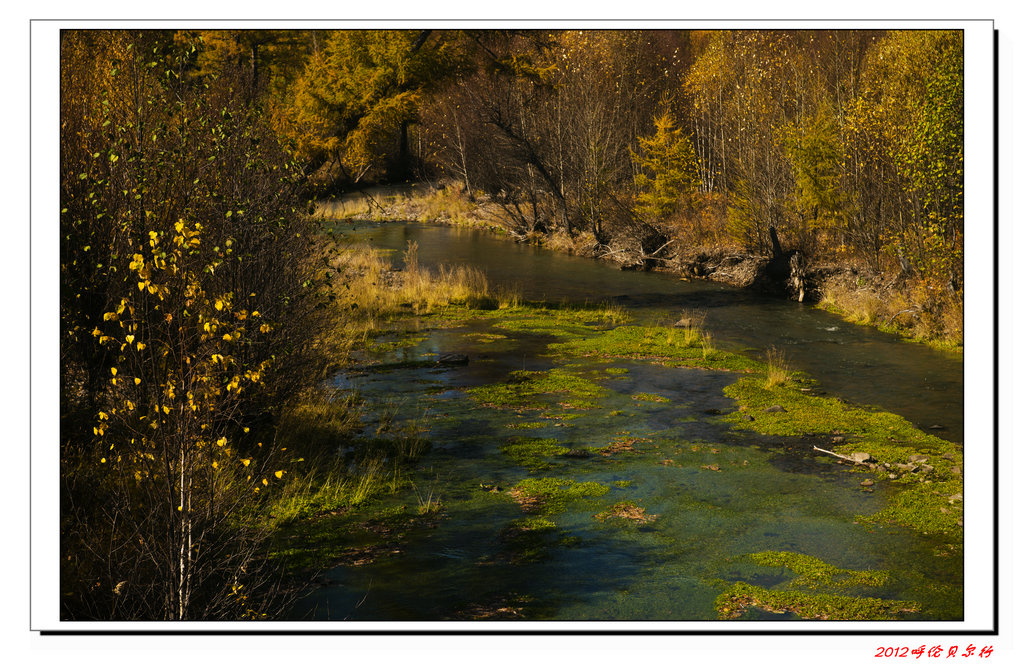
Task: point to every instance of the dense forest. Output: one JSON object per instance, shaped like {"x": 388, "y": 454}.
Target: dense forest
{"x": 199, "y": 299}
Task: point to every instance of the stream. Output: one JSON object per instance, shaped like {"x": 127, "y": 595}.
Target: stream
{"x": 710, "y": 494}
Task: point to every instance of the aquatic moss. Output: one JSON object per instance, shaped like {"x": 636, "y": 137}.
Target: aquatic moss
{"x": 888, "y": 438}
{"x": 668, "y": 346}
{"x": 616, "y": 371}
{"x": 525, "y": 425}
{"x": 551, "y": 494}
{"x": 524, "y": 387}
{"x": 649, "y": 397}
{"x": 533, "y": 452}
{"x": 816, "y": 573}
{"x": 738, "y": 599}
{"x": 930, "y": 507}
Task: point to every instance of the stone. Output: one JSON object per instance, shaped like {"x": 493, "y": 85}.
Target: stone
{"x": 917, "y": 458}
{"x": 956, "y": 497}
{"x": 956, "y": 470}
{"x": 926, "y": 468}
{"x": 714, "y": 411}
{"x": 861, "y": 457}
{"x": 577, "y": 453}
{"x": 747, "y": 417}
{"x": 838, "y": 439}
{"x": 949, "y": 456}
{"x": 867, "y": 482}
{"x": 775, "y": 408}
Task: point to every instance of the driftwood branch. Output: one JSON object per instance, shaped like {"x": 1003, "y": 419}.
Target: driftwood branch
{"x": 832, "y": 453}
{"x": 653, "y": 254}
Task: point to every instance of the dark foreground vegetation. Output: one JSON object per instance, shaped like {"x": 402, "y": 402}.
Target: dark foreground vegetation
{"x": 202, "y": 306}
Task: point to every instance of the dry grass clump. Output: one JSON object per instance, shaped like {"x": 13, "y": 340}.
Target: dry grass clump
{"x": 910, "y": 307}
{"x": 778, "y": 368}
{"x": 582, "y": 244}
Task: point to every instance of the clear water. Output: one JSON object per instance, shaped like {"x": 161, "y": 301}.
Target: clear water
{"x": 767, "y": 492}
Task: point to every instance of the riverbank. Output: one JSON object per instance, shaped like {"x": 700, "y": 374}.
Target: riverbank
{"x": 900, "y": 305}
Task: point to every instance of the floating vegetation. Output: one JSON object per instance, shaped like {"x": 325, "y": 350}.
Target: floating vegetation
{"x": 533, "y": 452}
{"x": 741, "y": 597}
{"x": 628, "y": 510}
{"x": 550, "y": 494}
{"x": 524, "y": 387}
{"x": 668, "y": 346}
{"x": 649, "y": 397}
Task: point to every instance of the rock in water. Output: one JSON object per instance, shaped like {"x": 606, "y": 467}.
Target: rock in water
{"x": 861, "y": 457}
{"x": 453, "y": 359}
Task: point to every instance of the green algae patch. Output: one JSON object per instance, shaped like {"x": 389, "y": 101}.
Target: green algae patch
{"x": 525, "y": 425}
{"x": 533, "y": 452}
{"x": 930, "y": 507}
{"x": 673, "y": 347}
{"x": 925, "y": 471}
{"x": 735, "y": 602}
{"x": 525, "y": 389}
{"x": 547, "y": 495}
{"x": 616, "y": 371}
{"x": 559, "y": 321}
{"x": 816, "y": 573}
{"x": 649, "y": 397}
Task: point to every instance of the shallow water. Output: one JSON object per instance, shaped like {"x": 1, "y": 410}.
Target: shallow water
{"x": 856, "y": 363}
{"x": 763, "y": 493}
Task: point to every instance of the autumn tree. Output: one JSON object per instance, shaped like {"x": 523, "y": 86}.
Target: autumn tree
{"x": 189, "y": 294}
{"x": 357, "y": 97}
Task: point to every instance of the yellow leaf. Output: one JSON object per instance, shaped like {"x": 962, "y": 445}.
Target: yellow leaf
{"x": 223, "y": 441}
{"x": 245, "y": 462}
{"x": 142, "y": 286}
{"x": 245, "y": 430}
{"x": 227, "y": 337}
{"x": 279, "y": 474}
{"x": 219, "y": 305}
{"x": 96, "y": 332}
{"x": 113, "y": 372}
{"x": 265, "y": 482}
{"x": 140, "y": 346}
{"x": 129, "y": 338}
{"x": 137, "y": 381}
{"x": 215, "y": 465}
{"x": 109, "y": 316}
